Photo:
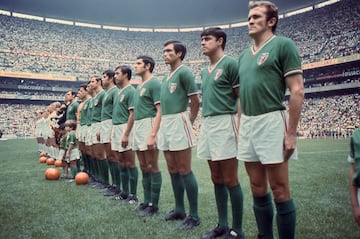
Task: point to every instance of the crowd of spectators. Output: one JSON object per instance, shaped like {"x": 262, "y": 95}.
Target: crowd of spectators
{"x": 321, "y": 117}
{"x": 41, "y": 47}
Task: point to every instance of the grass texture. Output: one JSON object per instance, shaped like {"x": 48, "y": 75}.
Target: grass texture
{"x": 32, "y": 207}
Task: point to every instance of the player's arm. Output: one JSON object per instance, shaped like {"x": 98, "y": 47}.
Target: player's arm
{"x": 194, "y": 107}
{"x": 353, "y": 197}
{"x": 130, "y": 123}
{"x": 156, "y": 126}
{"x": 296, "y": 86}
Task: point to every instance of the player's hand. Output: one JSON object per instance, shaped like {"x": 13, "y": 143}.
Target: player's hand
{"x": 125, "y": 141}
{"x": 151, "y": 142}
{"x": 289, "y": 146}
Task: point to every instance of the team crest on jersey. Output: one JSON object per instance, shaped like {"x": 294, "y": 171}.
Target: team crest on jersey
{"x": 96, "y": 102}
{"x": 218, "y": 73}
{"x": 262, "y": 58}
{"x": 142, "y": 91}
{"x": 122, "y": 98}
{"x": 85, "y": 106}
{"x": 172, "y": 87}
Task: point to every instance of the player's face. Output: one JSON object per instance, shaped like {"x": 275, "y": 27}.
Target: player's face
{"x": 106, "y": 80}
{"x": 257, "y": 22}
{"x": 93, "y": 84}
{"x": 119, "y": 77}
{"x": 68, "y": 97}
{"x": 209, "y": 44}
{"x": 140, "y": 68}
{"x": 170, "y": 57}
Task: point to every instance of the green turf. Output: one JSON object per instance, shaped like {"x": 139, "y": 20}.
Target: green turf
{"x": 32, "y": 207}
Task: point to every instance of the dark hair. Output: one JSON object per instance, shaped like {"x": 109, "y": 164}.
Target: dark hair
{"x": 99, "y": 79}
{"x": 125, "y": 70}
{"x": 110, "y": 74}
{"x": 148, "y": 60}
{"x": 271, "y": 10}
{"x": 178, "y": 47}
{"x": 83, "y": 86}
{"x": 216, "y": 32}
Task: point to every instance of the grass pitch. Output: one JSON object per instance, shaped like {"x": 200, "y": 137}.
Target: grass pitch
{"x": 32, "y": 207}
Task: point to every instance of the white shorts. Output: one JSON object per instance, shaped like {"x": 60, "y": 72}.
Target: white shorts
{"x": 61, "y": 154}
{"x": 77, "y": 132}
{"x": 261, "y": 138}
{"x": 218, "y": 137}
{"x": 95, "y": 127}
{"x": 116, "y": 136}
{"x": 142, "y": 130}
{"x": 74, "y": 155}
{"x": 176, "y": 132}
{"x": 105, "y": 133}
{"x": 87, "y": 136}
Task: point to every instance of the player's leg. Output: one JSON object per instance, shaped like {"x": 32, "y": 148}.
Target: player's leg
{"x": 177, "y": 183}
{"x": 285, "y": 206}
{"x": 262, "y": 202}
{"x": 183, "y": 158}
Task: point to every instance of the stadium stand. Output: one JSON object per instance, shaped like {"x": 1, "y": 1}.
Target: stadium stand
{"x": 40, "y": 61}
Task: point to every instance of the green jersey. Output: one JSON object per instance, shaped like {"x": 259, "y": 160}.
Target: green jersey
{"x": 107, "y": 104}
{"x": 84, "y": 112}
{"x": 71, "y": 110}
{"x": 97, "y": 107}
{"x": 176, "y": 89}
{"x": 147, "y": 95}
{"x": 218, "y": 96}
{"x": 71, "y": 139}
{"x": 124, "y": 101}
{"x": 262, "y": 75}
{"x": 62, "y": 141}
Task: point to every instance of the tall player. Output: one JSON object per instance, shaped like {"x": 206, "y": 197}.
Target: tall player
{"x": 147, "y": 116}
{"x": 109, "y": 162}
{"x": 218, "y": 135}
{"x": 121, "y": 137}
{"x": 98, "y": 154}
{"x": 267, "y": 139}
{"x": 176, "y": 136}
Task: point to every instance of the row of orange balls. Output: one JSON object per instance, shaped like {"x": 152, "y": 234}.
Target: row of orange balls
{"x": 81, "y": 178}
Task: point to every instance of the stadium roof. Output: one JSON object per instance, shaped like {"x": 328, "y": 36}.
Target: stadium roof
{"x": 146, "y": 13}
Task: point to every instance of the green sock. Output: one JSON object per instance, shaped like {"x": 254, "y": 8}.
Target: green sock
{"x": 112, "y": 173}
{"x": 264, "y": 213}
{"x": 146, "y": 182}
{"x": 221, "y": 197}
{"x": 178, "y": 189}
{"x": 236, "y": 198}
{"x": 286, "y": 219}
{"x": 98, "y": 170}
{"x": 85, "y": 160}
{"x": 125, "y": 180}
{"x": 191, "y": 187}
{"x": 115, "y": 174}
{"x": 73, "y": 171}
{"x": 104, "y": 171}
{"x": 156, "y": 181}
{"x": 133, "y": 178}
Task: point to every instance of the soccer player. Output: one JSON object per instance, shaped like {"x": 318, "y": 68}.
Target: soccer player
{"x": 176, "y": 136}
{"x": 121, "y": 137}
{"x": 72, "y": 105}
{"x": 109, "y": 162}
{"x": 147, "y": 116}
{"x": 267, "y": 138}
{"x": 81, "y": 122}
{"x": 218, "y": 133}
{"x": 97, "y": 152}
{"x": 354, "y": 160}
{"x": 71, "y": 149}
